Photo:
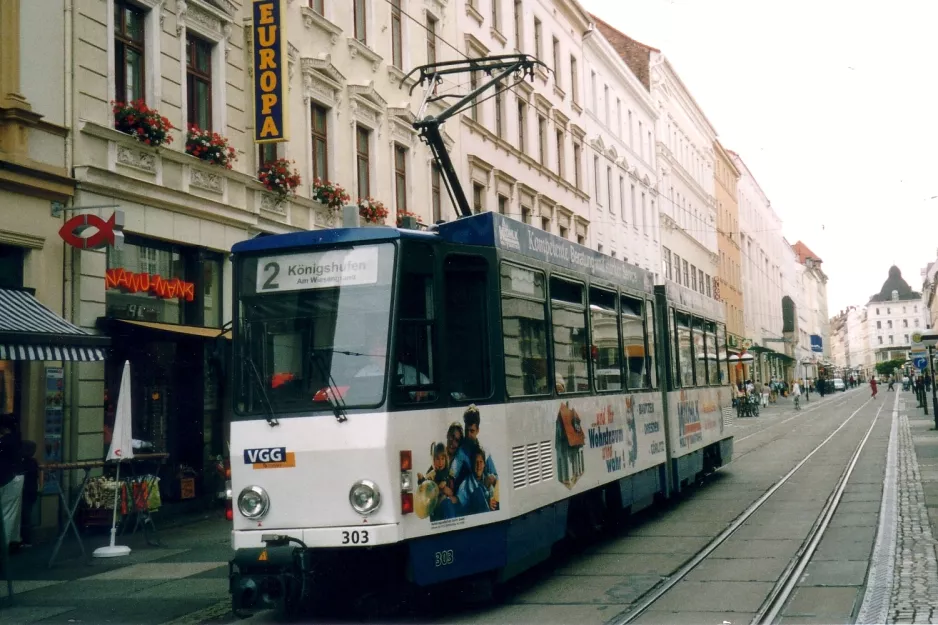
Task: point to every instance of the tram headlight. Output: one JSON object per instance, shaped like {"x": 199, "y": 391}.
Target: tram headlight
{"x": 253, "y": 502}
{"x": 364, "y": 497}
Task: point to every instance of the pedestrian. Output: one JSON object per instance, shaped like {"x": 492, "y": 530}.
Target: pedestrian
{"x": 11, "y": 484}
{"x": 892, "y": 382}
{"x": 30, "y": 472}
{"x": 796, "y": 394}
{"x": 873, "y": 386}
{"x": 927, "y": 382}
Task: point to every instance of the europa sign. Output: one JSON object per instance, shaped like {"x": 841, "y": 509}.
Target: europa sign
{"x": 165, "y": 288}
{"x": 270, "y": 91}
{"x": 110, "y": 232}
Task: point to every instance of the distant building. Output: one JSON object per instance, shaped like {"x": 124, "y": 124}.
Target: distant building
{"x": 893, "y": 315}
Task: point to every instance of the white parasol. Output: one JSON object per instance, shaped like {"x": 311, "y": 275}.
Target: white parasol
{"x": 121, "y": 449}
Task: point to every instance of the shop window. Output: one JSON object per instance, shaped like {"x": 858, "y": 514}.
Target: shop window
{"x": 466, "y": 315}
{"x": 146, "y": 283}
{"x": 605, "y": 361}
{"x": 524, "y": 327}
{"x": 571, "y": 345}
{"x": 212, "y": 293}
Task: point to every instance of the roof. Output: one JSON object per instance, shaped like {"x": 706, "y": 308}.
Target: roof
{"x": 895, "y": 282}
{"x": 804, "y": 253}
{"x": 636, "y": 55}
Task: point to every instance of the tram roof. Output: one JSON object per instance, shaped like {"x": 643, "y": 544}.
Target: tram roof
{"x": 486, "y": 230}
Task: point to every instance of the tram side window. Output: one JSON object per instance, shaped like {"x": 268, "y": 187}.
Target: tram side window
{"x": 713, "y": 354}
{"x": 651, "y": 354}
{"x": 700, "y": 354}
{"x": 721, "y": 352}
{"x": 633, "y": 342}
{"x": 571, "y": 345}
{"x": 524, "y": 327}
{"x": 467, "y": 335}
{"x": 606, "y": 363}
{"x": 416, "y": 326}
{"x": 685, "y": 359}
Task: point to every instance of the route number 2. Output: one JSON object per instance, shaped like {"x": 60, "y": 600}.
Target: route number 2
{"x": 272, "y": 270}
{"x": 444, "y": 558}
{"x": 355, "y": 537}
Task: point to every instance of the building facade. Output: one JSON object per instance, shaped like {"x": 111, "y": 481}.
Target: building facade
{"x": 620, "y": 118}
{"x": 893, "y": 315}
{"x": 730, "y": 291}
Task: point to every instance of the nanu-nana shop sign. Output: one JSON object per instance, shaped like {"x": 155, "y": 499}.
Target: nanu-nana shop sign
{"x": 270, "y": 90}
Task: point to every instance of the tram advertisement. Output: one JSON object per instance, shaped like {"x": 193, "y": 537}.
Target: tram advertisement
{"x": 462, "y": 479}
{"x": 696, "y": 419}
{"x": 604, "y": 437}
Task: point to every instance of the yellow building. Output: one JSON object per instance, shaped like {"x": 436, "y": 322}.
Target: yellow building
{"x": 729, "y": 283}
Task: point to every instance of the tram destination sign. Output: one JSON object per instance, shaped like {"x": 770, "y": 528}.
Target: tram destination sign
{"x": 514, "y": 236}
{"x": 317, "y": 270}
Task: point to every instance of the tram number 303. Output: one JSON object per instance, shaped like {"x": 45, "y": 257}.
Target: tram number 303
{"x": 444, "y": 558}
{"x": 355, "y": 537}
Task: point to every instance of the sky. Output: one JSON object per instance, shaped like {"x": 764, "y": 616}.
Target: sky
{"x": 832, "y": 105}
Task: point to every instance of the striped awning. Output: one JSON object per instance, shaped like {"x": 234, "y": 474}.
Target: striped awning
{"x": 30, "y": 331}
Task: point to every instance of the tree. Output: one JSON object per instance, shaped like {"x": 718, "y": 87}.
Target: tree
{"x": 887, "y": 367}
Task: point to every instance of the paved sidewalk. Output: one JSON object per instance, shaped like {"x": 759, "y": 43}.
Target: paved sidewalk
{"x": 187, "y": 573}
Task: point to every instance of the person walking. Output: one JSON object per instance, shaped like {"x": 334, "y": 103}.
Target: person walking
{"x": 892, "y": 383}
{"x": 796, "y": 394}
{"x": 873, "y": 386}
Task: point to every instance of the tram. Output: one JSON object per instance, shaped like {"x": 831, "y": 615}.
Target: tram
{"x": 427, "y": 406}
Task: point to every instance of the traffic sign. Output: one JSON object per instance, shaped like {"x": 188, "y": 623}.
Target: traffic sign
{"x": 920, "y": 362}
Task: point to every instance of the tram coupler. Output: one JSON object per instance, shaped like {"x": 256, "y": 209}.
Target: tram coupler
{"x": 270, "y": 577}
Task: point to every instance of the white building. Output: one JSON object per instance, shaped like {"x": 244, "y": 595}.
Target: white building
{"x": 893, "y": 315}
{"x": 619, "y": 118}
{"x": 811, "y": 301}
{"x": 521, "y": 152}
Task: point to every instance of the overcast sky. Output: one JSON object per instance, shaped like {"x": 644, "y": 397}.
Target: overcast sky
{"x": 832, "y": 105}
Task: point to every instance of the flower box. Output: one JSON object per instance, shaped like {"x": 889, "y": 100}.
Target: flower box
{"x": 372, "y": 211}
{"x": 280, "y": 178}
{"x": 210, "y": 147}
{"x": 144, "y": 124}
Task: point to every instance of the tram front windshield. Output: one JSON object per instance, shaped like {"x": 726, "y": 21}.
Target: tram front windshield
{"x": 313, "y": 327}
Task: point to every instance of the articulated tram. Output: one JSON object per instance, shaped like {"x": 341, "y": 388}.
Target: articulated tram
{"x": 426, "y": 406}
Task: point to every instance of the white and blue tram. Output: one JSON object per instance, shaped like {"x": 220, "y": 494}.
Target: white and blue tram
{"x": 427, "y": 406}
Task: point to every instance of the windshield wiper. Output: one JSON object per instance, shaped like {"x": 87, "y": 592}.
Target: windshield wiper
{"x": 334, "y": 397}
{"x": 271, "y": 419}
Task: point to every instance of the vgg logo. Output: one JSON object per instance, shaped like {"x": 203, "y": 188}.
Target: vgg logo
{"x": 265, "y": 454}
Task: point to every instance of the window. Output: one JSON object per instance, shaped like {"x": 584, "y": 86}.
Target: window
{"x": 906, "y": 338}
{"x": 465, "y": 304}
{"x": 502, "y": 205}
{"x": 651, "y": 147}
{"x": 580, "y": 239}
{"x": 542, "y": 140}
{"x": 473, "y": 85}
{"x": 641, "y": 143}
{"x": 685, "y": 360}
{"x": 318, "y": 6}
{"x": 522, "y": 123}
{"x": 363, "y": 158}
{"x": 877, "y": 311}
{"x": 880, "y": 339}
{"x": 560, "y": 153}
{"x": 905, "y": 323}
{"x": 415, "y": 378}
{"x": 686, "y": 273}
{"x": 545, "y": 224}
{"x": 199, "y": 81}
{"x": 693, "y": 277}
{"x": 360, "y": 16}
{"x": 630, "y": 128}
{"x": 565, "y": 234}
{"x": 574, "y": 80}
{"x": 700, "y": 273}
{"x": 644, "y": 214}
{"x": 879, "y": 325}
{"x": 524, "y": 327}
{"x": 622, "y": 198}
{"x": 633, "y": 342}
{"x": 650, "y": 353}
{"x": 666, "y": 255}
{"x": 129, "y": 61}
{"x": 397, "y": 46}
{"x": 571, "y": 345}
{"x": 903, "y": 310}
{"x": 556, "y": 51}
{"x": 518, "y": 25}
{"x": 677, "y": 269}
{"x": 400, "y": 176}
{"x": 916, "y": 323}
{"x": 599, "y": 201}
{"x": 431, "y": 39}
{"x": 320, "y": 134}
{"x": 577, "y": 174}
{"x": 713, "y": 353}
{"x": 709, "y": 291}
{"x": 496, "y": 18}
{"x": 889, "y": 324}
{"x": 606, "y": 103}
{"x": 537, "y": 39}
{"x": 266, "y": 153}
{"x": 526, "y": 215}
{"x": 499, "y": 117}
{"x": 477, "y": 198}
{"x": 436, "y": 193}
{"x": 609, "y": 192}
{"x": 634, "y": 207}
{"x": 593, "y": 93}
{"x": 890, "y": 339}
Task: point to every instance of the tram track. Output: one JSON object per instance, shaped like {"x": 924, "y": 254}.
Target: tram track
{"x": 781, "y": 591}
